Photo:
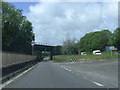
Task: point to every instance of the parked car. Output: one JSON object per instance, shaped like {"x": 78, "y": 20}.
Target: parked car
{"x": 97, "y": 52}
{"x": 83, "y": 53}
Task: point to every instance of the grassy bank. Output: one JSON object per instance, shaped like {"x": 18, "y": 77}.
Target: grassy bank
{"x": 90, "y": 56}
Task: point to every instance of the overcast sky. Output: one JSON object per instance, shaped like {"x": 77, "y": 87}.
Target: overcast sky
{"x": 53, "y": 22}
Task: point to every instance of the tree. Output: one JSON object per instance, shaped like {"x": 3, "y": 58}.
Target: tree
{"x": 95, "y": 40}
{"x": 69, "y": 47}
{"x": 116, "y": 38}
{"x": 16, "y": 30}
{"x": 57, "y": 50}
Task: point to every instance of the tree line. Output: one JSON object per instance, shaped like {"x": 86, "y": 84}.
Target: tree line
{"x": 17, "y": 31}
{"x": 93, "y": 41}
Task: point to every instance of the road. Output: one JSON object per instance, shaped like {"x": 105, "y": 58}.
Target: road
{"x": 69, "y": 75}
{"x": 102, "y": 71}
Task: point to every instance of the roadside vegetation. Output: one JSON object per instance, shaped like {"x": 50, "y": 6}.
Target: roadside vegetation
{"x": 92, "y": 41}
{"x": 87, "y": 57}
{"x": 17, "y": 31}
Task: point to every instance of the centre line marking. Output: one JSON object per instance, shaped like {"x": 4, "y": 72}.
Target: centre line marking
{"x": 98, "y": 84}
{"x": 85, "y": 78}
{"x": 66, "y": 69}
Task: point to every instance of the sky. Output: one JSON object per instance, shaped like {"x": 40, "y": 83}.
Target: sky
{"x": 54, "y": 22}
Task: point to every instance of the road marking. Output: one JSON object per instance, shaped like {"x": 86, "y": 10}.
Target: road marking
{"x": 3, "y": 85}
{"x": 66, "y": 69}
{"x": 101, "y": 60}
{"x": 62, "y": 67}
{"x": 97, "y": 83}
{"x": 85, "y": 78}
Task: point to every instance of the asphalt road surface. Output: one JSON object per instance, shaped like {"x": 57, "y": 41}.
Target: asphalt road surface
{"x": 85, "y": 74}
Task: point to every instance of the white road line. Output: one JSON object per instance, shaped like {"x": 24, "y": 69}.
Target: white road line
{"x": 101, "y": 60}
{"x": 3, "y": 85}
{"x": 66, "y": 69}
{"x": 98, "y": 84}
{"x": 85, "y": 78}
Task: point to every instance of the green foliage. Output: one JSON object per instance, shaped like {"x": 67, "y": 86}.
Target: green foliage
{"x": 92, "y": 41}
{"x": 69, "y": 47}
{"x": 57, "y": 50}
{"x": 16, "y": 30}
{"x": 116, "y": 39}
{"x": 46, "y": 53}
{"x": 104, "y": 55}
{"x": 95, "y": 40}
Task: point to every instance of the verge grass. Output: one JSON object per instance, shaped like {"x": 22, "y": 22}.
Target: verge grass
{"x": 89, "y": 56}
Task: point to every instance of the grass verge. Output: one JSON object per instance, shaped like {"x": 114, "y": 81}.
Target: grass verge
{"x": 88, "y": 57}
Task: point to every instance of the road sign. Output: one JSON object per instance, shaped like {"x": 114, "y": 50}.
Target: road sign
{"x": 107, "y": 47}
{"x": 110, "y": 47}
{"x": 115, "y": 49}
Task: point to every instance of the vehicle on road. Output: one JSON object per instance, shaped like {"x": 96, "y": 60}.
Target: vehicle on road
{"x": 83, "y": 53}
{"x": 97, "y": 52}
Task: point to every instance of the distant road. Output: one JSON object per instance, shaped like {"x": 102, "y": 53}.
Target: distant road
{"x": 94, "y": 74}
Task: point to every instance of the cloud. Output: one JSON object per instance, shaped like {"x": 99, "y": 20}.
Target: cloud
{"x": 54, "y": 22}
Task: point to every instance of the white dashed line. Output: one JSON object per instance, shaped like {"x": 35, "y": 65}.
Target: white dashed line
{"x": 98, "y": 84}
{"x": 3, "y": 85}
{"x": 101, "y": 60}
{"x": 85, "y": 78}
{"x": 69, "y": 70}
{"x": 66, "y": 69}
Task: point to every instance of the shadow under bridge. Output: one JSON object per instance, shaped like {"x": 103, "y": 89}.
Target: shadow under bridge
{"x": 40, "y": 48}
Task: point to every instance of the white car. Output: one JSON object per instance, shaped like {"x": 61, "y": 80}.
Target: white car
{"x": 97, "y": 52}
{"x": 83, "y": 53}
